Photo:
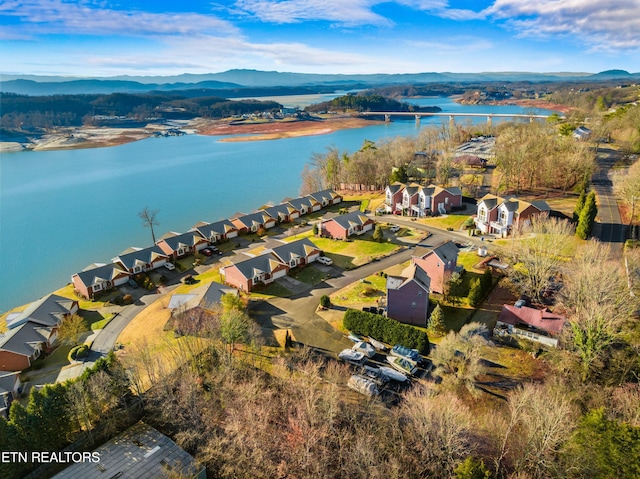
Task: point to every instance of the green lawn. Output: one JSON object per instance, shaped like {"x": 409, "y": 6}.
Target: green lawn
{"x": 271, "y": 290}
{"x": 308, "y": 274}
{"x": 95, "y": 320}
{"x": 368, "y": 290}
{"x": 444, "y": 222}
{"x": 347, "y": 254}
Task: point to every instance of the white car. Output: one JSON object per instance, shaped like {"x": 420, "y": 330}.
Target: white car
{"x": 169, "y": 266}
{"x": 325, "y": 260}
{"x": 395, "y": 228}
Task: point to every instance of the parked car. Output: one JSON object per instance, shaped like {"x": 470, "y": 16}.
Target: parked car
{"x": 206, "y": 251}
{"x": 169, "y": 266}
{"x": 189, "y": 280}
{"x": 325, "y": 260}
{"x": 351, "y": 356}
{"x": 404, "y": 352}
{"x": 394, "y": 229}
{"x": 365, "y": 348}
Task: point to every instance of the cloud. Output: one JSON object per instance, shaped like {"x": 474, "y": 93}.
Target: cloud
{"x": 602, "y": 25}
{"x": 39, "y": 17}
{"x": 453, "y": 45}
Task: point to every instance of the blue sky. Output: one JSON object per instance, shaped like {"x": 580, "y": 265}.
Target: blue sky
{"x": 161, "y": 37}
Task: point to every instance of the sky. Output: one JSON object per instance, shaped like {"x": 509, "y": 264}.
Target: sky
{"x": 162, "y": 37}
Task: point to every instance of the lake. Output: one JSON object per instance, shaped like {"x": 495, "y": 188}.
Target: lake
{"x": 63, "y": 210}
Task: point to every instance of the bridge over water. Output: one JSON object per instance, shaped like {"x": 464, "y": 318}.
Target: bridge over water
{"x": 452, "y": 116}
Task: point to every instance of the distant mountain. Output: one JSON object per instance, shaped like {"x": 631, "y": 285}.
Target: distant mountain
{"x": 238, "y": 79}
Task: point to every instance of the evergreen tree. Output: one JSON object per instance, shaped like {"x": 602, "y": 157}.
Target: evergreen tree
{"x": 475, "y": 293}
{"x": 486, "y": 281}
{"x": 472, "y": 468}
{"x": 587, "y": 217}
{"x": 436, "y": 321}
{"x": 579, "y": 205}
{"x": 399, "y": 174}
{"x": 378, "y": 235}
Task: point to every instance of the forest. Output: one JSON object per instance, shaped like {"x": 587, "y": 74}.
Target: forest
{"x": 366, "y": 101}
{"x": 32, "y": 113}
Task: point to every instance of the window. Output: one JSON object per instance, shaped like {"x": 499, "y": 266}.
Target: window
{"x": 413, "y": 304}
{"x": 419, "y": 293}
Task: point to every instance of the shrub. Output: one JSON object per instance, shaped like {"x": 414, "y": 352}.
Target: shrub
{"x": 127, "y": 299}
{"x": 386, "y": 330}
{"x": 78, "y": 352}
{"x": 325, "y": 301}
{"x": 378, "y": 235}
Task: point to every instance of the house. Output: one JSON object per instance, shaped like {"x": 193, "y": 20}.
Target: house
{"x": 10, "y": 388}
{"x": 297, "y": 253}
{"x": 262, "y": 269}
{"x": 582, "y": 133}
{"x": 434, "y": 200}
{"x": 253, "y": 222}
{"x": 218, "y": 231}
{"x": 408, "y": 296}
{"x": 283, "y": 213}
{"x": 305, "y": 204}
{"x": 176, "y": 245}
{"x": 538, "y": 325}
{"x": 326, "y": 197}
{"x": 140, "y": 260}
{"x": 99, "y": 277}
{"x": 33, "y": 330}
{"x": 439, "y": 264}
{"x": 393, "y": 198}
{"x": 416, "y": 200}
{"x": 496, "y": 215}
{"x": 343, "y": 226}
{"x": 140, "y": 452}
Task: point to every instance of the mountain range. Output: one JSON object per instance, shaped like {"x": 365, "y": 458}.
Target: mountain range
{"x": 241, "y": 79}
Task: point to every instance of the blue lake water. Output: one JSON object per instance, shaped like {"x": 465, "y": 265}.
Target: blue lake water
{"x": 63, "y": 210}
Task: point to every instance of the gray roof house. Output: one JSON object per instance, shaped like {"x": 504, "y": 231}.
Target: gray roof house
{"x": 245, "y": 275}
{"x": 206, "y": 296}
{"x": 326, "y": 197}
{"x": 140, "y": 452}
{"x": 297, "y": 253}
{"x": 217, "y": 231}
{"x": 408, "y": 296}
{"x": 283, "y": 212}
{"x": 137, "y": 260}
{"x": 305, "y": 204}
{"x": 9, "y": 388}
{"x": 179, "y": 244}
{"x": 99, "y": 277}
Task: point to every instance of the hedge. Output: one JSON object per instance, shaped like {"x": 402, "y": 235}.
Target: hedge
{"x": 386, "y": 330}
{"x": 78, "y": 352}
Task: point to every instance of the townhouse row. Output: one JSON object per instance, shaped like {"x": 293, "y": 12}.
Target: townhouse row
{"x": 171, "y": 246}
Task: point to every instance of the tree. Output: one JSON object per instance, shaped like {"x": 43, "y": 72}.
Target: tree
{"x": 587, "y": 217}
{"x": 149, "y": 220}
{"x": 71, "y": 329}
{"x": 597, "y": 299}
{"x": 535, "y": 254}
{"x": 627, "y": 187}
{"x": 579, "y": 205}
{"x": 472, "y": 468}
{"x": 325, "y": 301}
{"x": 378, "y": 235}
{"x": 436, "y": 321}
{"x": 234, "y": 328}
{"x": 475, "y": 292}
{"x": 399, "y": 174}
{"x": 486, "y": 280}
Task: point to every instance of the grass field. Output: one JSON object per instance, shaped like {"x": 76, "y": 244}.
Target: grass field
{"x": 443, "y": 222}
{"x": 308, "y": 274}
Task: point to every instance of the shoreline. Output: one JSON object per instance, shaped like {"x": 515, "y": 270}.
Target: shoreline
{"x": 99, "y": 137}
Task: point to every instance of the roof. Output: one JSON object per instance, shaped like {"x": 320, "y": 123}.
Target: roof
{"x": 303, "y": 202}
{"x": 177, "y": 240}
{"x": 8, "y": 381}
{"x": 99, "y": 274}
{"x": 412, "y": 273}
{"x": 348, "y": 220}
{"x": 490, "y": 201}
{"x": 395, "y": 187}
{"x": 206, "y": 295}
{"x": 283, "y": 208}
{"x": 47, "y": 311}
{"x": 296, "y": 249}
{"x": 540, "y": 319}
{"x": 219, "y": 227}
{"x": 324, "y": 195}
{"x": 264, "y": 263}
{"x": 25, "y": 339}
{"x": 259, "y": 218}
{"x": 140, "y": 452}
{"x": 447, "y": 251}
{"x": 135, "y": 256}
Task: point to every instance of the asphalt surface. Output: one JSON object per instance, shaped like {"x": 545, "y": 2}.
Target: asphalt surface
{"x": 609, "y": 227}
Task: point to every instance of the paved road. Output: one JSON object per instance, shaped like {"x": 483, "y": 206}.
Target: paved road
{"x": 609, "y": 228}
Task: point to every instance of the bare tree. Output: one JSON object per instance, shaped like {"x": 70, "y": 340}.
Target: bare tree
{"x": 71, "y": 329}
{"x": 535, "y": 254}
{"x": 149, "y": 220}
{"x": 627, "y": 187}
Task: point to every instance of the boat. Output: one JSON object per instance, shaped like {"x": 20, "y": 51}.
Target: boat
{"x": 407, "y": 353}
{"x": 376, "y": 375}
{"x": 377, "y": 344}
{"x": 363, "y": 385}
{"x": 365, "y": 348}
{"x": 351, "y": 356}
{"x": 393, "y": 374}
{"x": 356, "y": 338}
{"x": 403, "y": 365}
